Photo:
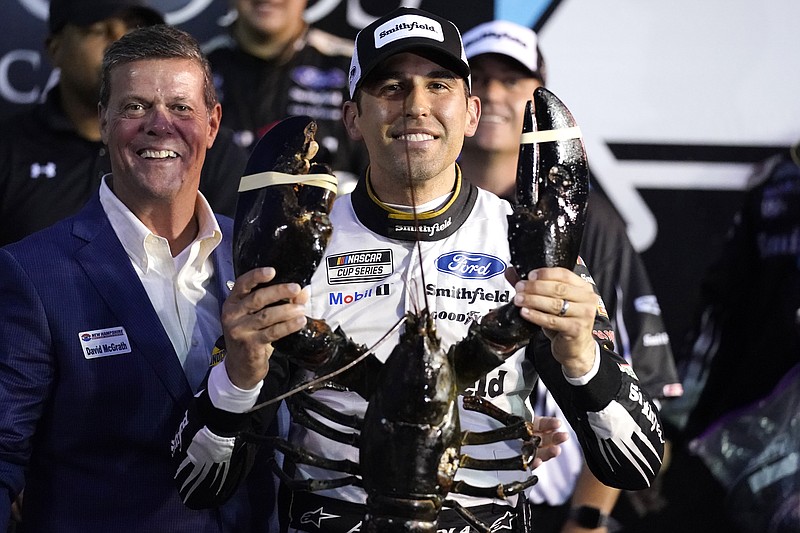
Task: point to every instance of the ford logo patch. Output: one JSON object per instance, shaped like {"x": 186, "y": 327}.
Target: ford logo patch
{"x": 470, "y": 265}
{"x": 318, "y": 79}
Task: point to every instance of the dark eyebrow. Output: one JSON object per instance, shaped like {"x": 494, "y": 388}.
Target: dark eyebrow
{"x": 444, "y": 74}
{"x": 383, "y": 75}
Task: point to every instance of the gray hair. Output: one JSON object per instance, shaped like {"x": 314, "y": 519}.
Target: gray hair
{"x": 156, "y": 42}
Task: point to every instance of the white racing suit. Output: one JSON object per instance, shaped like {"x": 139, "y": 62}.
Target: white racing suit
{"x": 371, "y": 275}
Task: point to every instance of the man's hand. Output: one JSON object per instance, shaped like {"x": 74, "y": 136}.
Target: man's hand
{"x": 564, "y": 305}
{"x": 253, "y": 318}
{"x": 547, "y": 428}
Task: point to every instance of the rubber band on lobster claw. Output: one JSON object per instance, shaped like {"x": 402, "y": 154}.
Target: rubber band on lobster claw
{"x": 283, "y": 205}
{"x": 283, "y": 220}
{"x": 545, "y": 229}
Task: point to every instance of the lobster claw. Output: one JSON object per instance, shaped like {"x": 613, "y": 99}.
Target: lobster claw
{"x": 283, "y": 205}
{"x": 546, "y": 227}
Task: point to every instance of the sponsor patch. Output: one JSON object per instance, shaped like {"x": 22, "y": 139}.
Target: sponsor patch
{"x": 462, "y": 318}
{"x": 430, "y": 229}
{"x": 628, "y": 369}
{"x": 217, "y": 356}
{"x": 346, "y": 298}
{"x": 601, "y": 307}
{"x": 604, "y": 335}
{"x": 672, "y": 390}
{"x": 647, "y": 304}
{"x": 470, "y": 265}
{"x": 358, "y": 267}
{"x": 406, "y": 26}
{"x": 104, "y": 342}
{"x": 316, "y": 78}
{"x": 469, "y": 295}
{"x": 655, "y": 339}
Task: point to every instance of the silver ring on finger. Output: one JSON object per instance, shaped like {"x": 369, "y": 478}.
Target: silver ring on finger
{"x": 564, "y": 308}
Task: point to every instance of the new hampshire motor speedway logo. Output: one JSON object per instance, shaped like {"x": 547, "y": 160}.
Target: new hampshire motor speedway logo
{"x": 470, "y": 265}
{"x": 104, "y": 342}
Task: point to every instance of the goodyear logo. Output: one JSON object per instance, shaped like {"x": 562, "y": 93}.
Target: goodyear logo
{"x": 358, "y": 267}
{"x": 470, "y": 265}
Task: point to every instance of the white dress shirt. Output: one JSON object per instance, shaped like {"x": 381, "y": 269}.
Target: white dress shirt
{"x": 180, "y": 288}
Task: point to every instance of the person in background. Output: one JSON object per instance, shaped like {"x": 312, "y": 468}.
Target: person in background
{"x": 51, "y": 156}
{"x": 271, "y": 65}
{"x": 745, "y": 339}
{"x": 109, "y": 316}
{"x": 410, "y": 104}
{"x": 507, "y": 66}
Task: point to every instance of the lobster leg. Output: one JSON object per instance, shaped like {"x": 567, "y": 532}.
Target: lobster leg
{"x": 301, "y": 416}
{"x": 313, "y": 485}
{"x": 517, "y": 430}
{"x": 498, "y": 491}
{"x": 306, "y": 401}
{"x": 514, "y": 427}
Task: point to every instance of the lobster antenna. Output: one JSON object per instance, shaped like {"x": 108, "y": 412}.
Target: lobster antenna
{"x": 415, "y": 215}
{"x": 316, "y": 381}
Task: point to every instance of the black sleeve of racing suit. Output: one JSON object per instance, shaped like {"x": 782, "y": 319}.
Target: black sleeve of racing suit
{"x": 616, "y": 421}
{"x": 211, "y": 450}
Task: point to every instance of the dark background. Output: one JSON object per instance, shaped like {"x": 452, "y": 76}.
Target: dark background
{"x": 691, "y": 222}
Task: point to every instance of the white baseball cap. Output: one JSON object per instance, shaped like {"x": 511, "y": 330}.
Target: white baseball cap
{"x": 504, "y": 38}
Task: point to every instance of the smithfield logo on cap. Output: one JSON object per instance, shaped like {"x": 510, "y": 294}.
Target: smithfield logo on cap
{"x": 408, "y": 26}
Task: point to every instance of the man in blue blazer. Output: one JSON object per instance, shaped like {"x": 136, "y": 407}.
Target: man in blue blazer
{"x": 108, "y": 319}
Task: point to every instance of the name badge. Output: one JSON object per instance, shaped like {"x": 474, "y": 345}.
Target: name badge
{"x": 104, "y": 342}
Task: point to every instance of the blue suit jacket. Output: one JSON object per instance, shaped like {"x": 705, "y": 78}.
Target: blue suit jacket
{"x": 89, "y": 439}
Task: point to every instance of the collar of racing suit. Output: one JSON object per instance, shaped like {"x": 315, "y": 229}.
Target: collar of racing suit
{"x": 430, "y": 226}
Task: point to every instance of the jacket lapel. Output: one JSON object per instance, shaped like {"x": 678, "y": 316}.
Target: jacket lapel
{"x": 223, "y": 261}
{"x": 109, "y": 269}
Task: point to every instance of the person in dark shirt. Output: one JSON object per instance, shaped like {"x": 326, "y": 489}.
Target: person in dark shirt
{"x": 109, "y": 316}
{"x": 270, "y": 65}
{"x": 51, "y": 155}
{"x": 745, "y": 340}
{"x": 507, "y": 66}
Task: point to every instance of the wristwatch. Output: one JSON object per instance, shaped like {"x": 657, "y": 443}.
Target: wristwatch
{"x": 588, "y": 517}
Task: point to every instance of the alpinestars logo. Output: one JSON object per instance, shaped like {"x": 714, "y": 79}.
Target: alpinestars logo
{"x": 316, "y": 517}
{"x": 505, "y": 522}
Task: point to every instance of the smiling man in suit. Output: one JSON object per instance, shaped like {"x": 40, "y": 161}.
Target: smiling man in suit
{"x": 108, "y": 318}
